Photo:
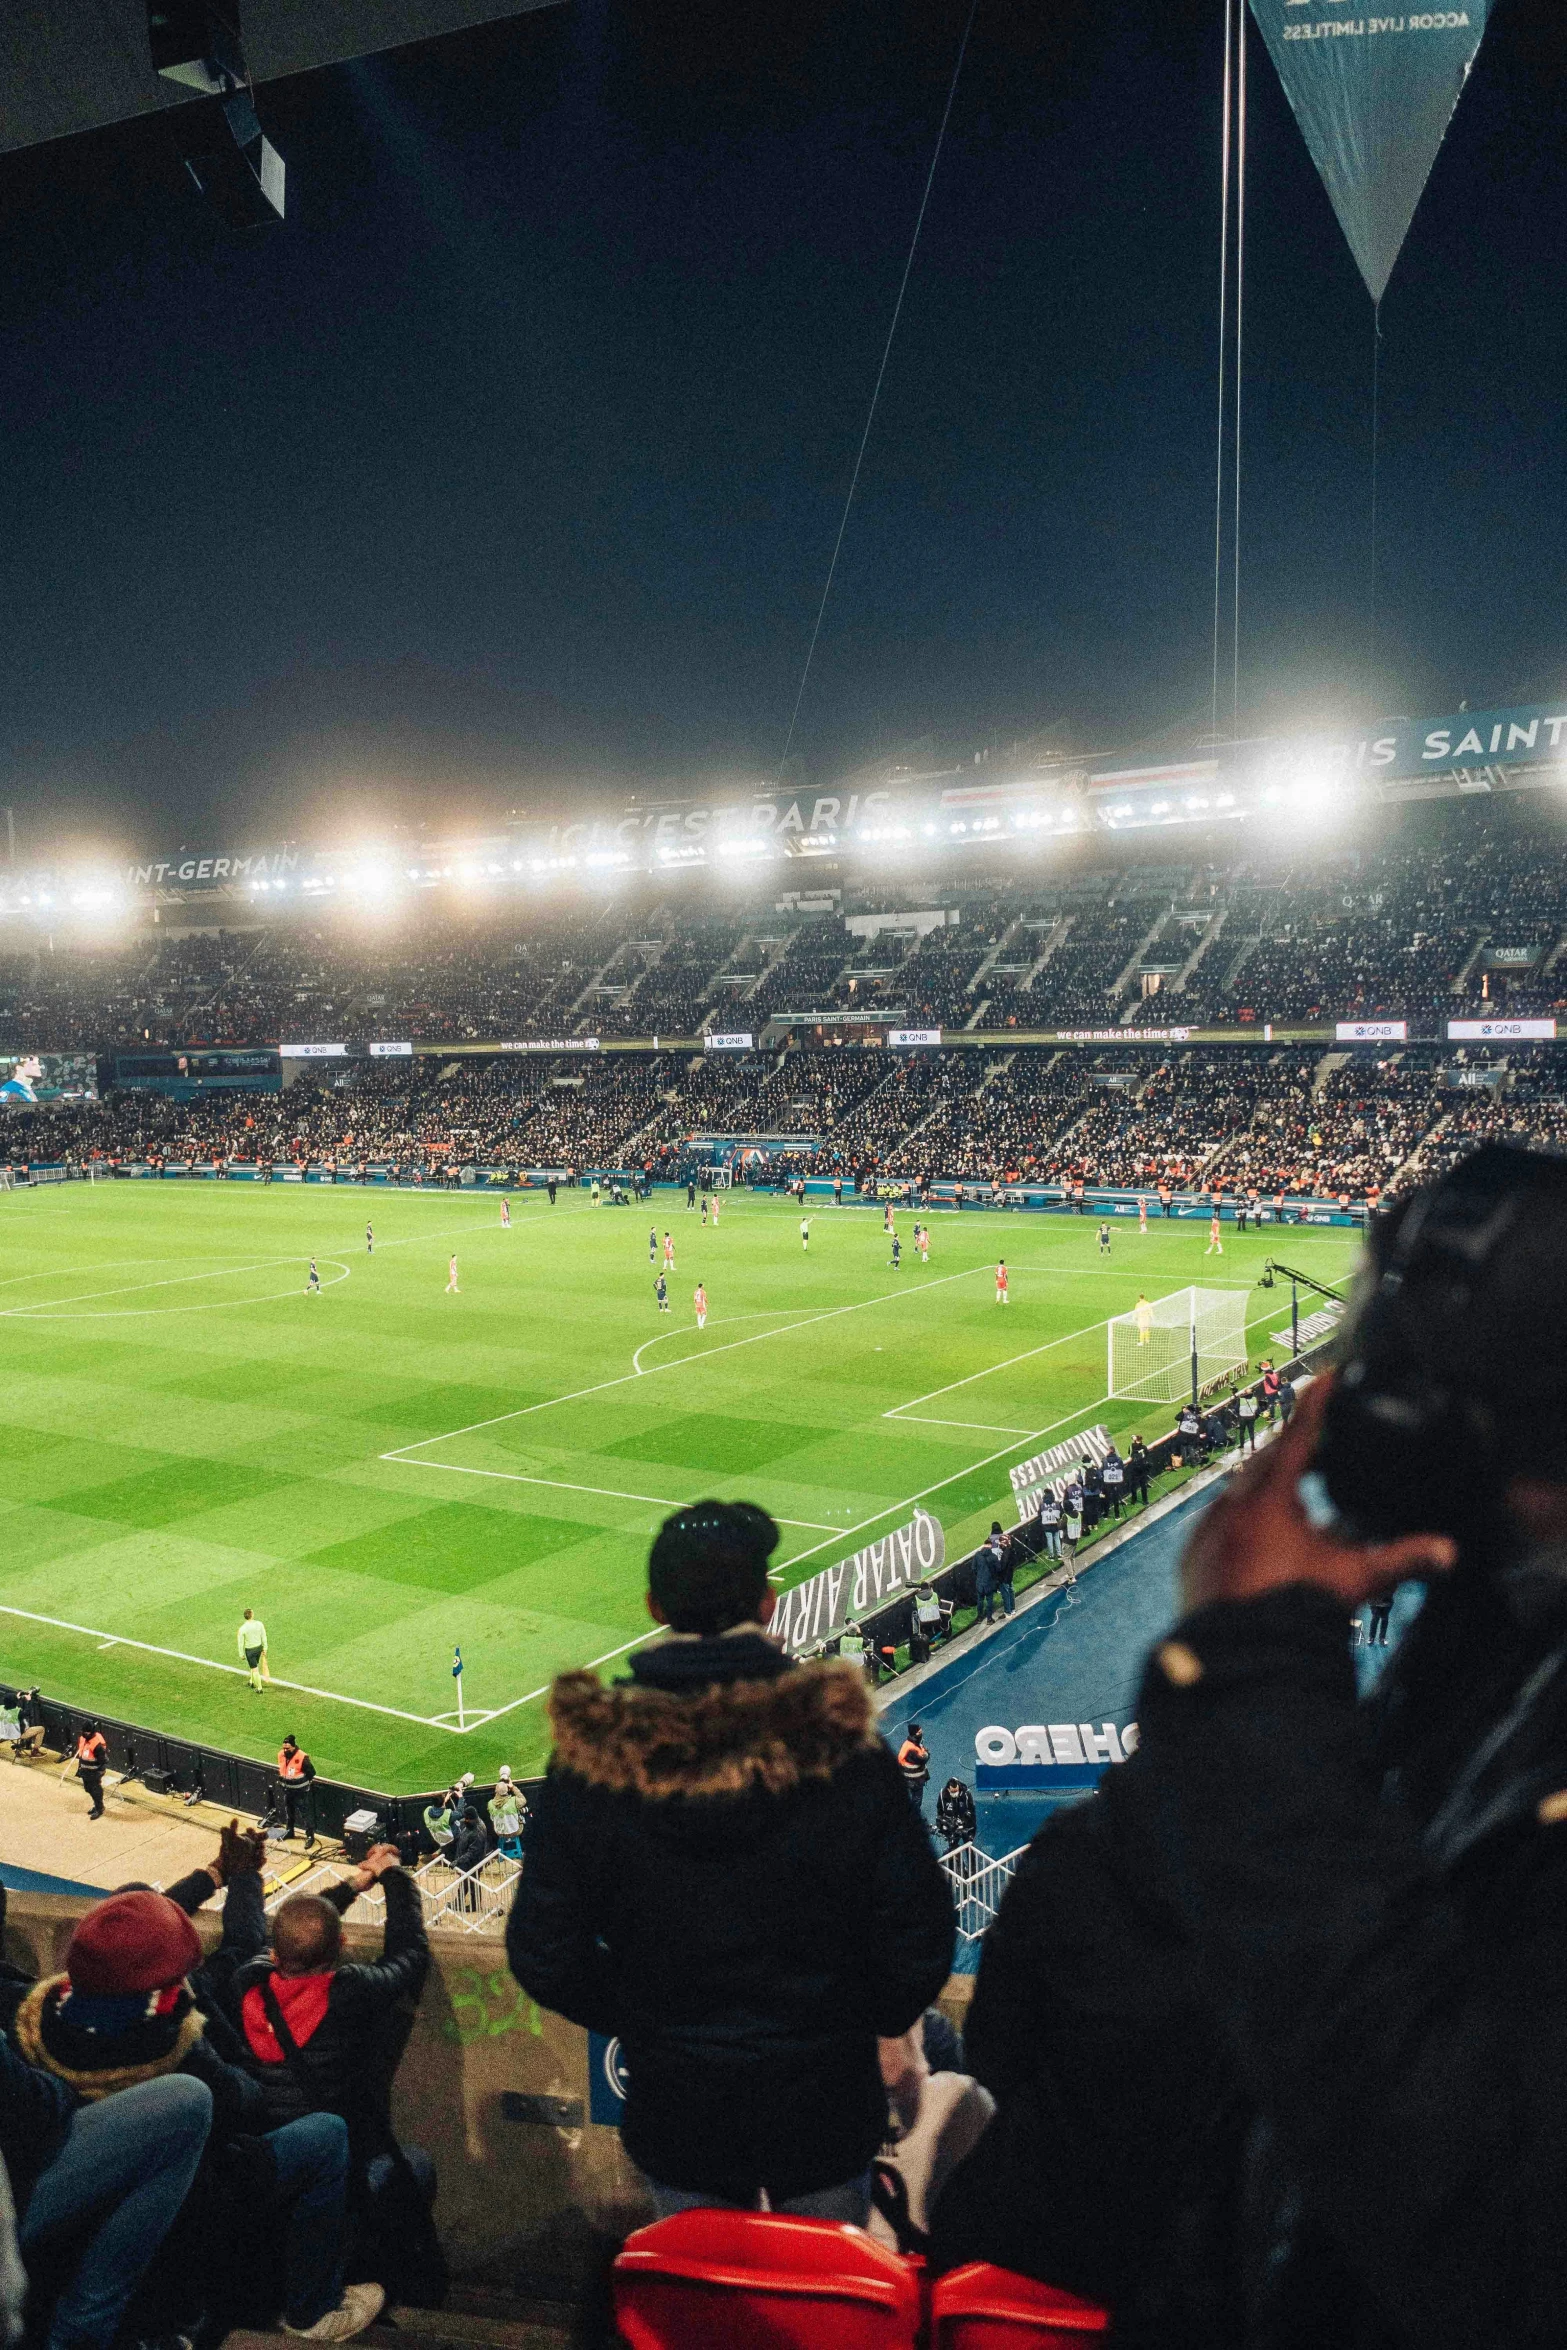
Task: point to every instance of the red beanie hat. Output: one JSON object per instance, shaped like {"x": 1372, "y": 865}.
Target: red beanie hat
{"x": 132, "y": 1942}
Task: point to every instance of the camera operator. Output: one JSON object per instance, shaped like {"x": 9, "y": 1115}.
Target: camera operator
{"x": 1289, "y": 1987}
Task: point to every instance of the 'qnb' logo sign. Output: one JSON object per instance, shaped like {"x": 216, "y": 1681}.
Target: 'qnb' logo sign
{"x": 1053, "y": 1746}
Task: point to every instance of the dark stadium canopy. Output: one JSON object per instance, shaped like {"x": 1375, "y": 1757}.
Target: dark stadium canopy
{"x": 74, "y": 65}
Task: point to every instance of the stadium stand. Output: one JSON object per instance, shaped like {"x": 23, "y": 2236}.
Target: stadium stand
{"x": 1456, "y": 910}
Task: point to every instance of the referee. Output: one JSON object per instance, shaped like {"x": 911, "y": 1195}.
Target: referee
{"x": 253, "y": 1649}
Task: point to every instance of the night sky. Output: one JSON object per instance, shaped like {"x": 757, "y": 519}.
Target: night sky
{"x": 510, "y": 467}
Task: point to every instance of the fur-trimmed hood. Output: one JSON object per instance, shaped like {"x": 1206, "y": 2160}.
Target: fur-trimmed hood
{"x": 146, "y": 2051}
{"x": 731, "y": 1738}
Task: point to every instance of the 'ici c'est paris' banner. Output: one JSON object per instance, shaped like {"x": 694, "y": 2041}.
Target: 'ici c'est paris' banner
{"x": 1373, "y": 95}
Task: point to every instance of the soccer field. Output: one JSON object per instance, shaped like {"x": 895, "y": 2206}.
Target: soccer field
{"x": 384, "y": 1471}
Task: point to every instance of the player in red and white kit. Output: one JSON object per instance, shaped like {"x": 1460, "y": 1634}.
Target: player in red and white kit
{"x": 1214, "y": 1242}
{"x": 1142, "y": 1216}
{"x": 699, "y": 1300}
{"x": 1001, "y": 1282}
{"x": 669, "y": 1252}
{"x": 505, "y": 1215}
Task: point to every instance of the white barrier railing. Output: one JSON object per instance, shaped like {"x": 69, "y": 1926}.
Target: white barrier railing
{"x": 978, "y": 1883}
{"x": 462, "y": 1901}
{"x": 476, "y": 1901}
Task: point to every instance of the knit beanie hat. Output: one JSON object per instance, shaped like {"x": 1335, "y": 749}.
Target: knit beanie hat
{"x": 132, "y": 1942}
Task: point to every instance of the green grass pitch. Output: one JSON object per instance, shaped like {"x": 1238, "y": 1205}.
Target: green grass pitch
{"x": 383, "y": 1471}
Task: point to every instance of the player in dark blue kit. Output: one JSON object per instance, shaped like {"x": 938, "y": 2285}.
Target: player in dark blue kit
{"x": 897, "y": 1252}
{"x": 661, "y": 1292}
{"x": 312, "y": 1281}
{"x": 369, "y": 1240}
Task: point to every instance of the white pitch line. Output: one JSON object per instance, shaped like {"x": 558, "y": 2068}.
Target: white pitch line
{"x": 182, "y": 1657}
{"x": 896, "y": 1508}
{"x": 610, "y": 1492}
{"x": 215, "y": 1305}
{"x": 980, "y": 1427}
{"x": 87, "y": 1297}
{"x": 1026, "y": 1356}
{"x": 579, "y": 1395}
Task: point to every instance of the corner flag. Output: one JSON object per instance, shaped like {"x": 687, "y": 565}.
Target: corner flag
{"x": 456, "y": 1664}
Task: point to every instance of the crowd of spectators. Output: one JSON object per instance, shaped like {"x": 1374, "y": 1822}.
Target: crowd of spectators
{"x": 196, "y": 2140}
{"x": 1246, "y": 1120}
{"x": 1456, "y": 908}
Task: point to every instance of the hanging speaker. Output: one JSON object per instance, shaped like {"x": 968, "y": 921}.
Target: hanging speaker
{"x": 241, "y": 175}
{"x": 195, "y": 45}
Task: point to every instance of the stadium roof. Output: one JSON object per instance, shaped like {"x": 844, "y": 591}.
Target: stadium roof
{"x": 68, "y": 68}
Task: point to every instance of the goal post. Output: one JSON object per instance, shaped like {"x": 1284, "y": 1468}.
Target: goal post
{"x": 1172, "y": 1347}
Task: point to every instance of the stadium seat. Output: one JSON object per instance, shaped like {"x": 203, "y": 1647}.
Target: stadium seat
{"x": 744, "y": 2280}
{"x": 978, "y": 2307}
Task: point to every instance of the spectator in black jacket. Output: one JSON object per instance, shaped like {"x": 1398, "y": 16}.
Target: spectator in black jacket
{"x": 723, "y": 1869}
{"x": 96, "y": 2186}
{"x": 326, "y": 2037}
{"x": 122, "y": 2016}
{"x": 1298, "y": 1963}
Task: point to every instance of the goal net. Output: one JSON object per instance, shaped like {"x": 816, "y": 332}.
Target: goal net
{"x": 1152, "y": 1347}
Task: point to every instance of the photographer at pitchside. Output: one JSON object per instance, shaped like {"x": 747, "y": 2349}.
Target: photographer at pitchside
{"x": 1288, "y": 1988}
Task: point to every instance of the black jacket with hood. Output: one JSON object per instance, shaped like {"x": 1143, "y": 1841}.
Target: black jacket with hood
{"x": 723, "y": 1870}
{"x": 1276, "y": 2022}
{"x": 346, "y": 2064}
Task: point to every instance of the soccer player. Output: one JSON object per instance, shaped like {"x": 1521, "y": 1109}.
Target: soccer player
{"x": 451, "y": 1275}
{"x": 1142, "y": 1315}
{"x": 661, "y": 1292}
{"x": 595, "y": 1191}
{"x": 252, "y": 1644}
{"x": 1001, "y": 1282}
{"x": 505, "y": 1215}
{"x": 715, "y": 1211}
{"x": 704, "y": 1210}
{"x": 699, "y": 1300}
{"x": 1104, "y": 1240}
{"x": 805, "y": 1234}
{"x": 669, "y": 1252}
{"x": 886, "y": 1217}
{"x": 652, "y": 1244}
{"x": 897, "y": 1252}
{"x": 312, "y": 1281}
{"x": 1214, "y": 1242}
{"x": 1142, "y": 1216}
{"x": 369, "y": 1240}
{"x": 690, "y": 1192}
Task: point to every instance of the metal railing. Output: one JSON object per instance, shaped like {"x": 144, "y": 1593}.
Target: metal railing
{"x": 477, "y": 1900}
{"x": 978, "y": 1883}
{"x": 460, "y": 1901}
